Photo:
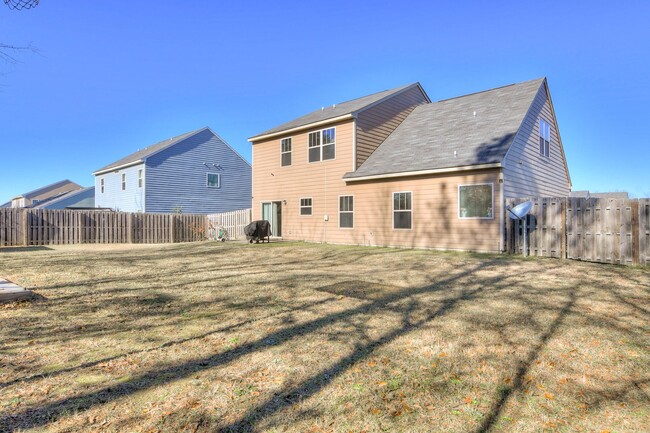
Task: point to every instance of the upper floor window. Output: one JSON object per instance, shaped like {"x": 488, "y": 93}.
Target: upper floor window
{"x": 140, "y": 178}
{"x": 101, "y": 185}
{"x": 346, "y": 211}
{"x": 475, "y": 201}
{"x": 286, "y": 151}
{"x": 322, "y": 145}
{"x": 402, "y": 210}
{"x": 544, "y": 138}
{"x": 214, "y": 180}
{"x": 306, "y": 206}
{"x": 123, "y": 181}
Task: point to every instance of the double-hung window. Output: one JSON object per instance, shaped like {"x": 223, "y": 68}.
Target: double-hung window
{"x": 140, "y": 178}
{"x": 306, "y": 206}
{"x": 346, "y": 211}
{"x": 476, "y": 201}
{"x": 544, "y": 138}
{"x": 402, "y": 210}
{"x": 123, "y": 181}
{"x": 286, "y": 151}
{"x": 322, "y": 145}
{"x": 101, "y": 185}
{"x": 213, "y": 180}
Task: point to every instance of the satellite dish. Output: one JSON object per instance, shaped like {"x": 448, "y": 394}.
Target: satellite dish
{"x": 521, "y": 210}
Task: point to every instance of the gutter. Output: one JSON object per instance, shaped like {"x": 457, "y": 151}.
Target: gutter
{"x": 118, "y": 167}
{"x": 423, "y": 172}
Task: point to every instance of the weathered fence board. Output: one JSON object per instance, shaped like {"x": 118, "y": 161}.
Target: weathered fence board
{"x": 233, "y": 222}
{"x": 602, "y": 230}
{"x": 58, "y": 227}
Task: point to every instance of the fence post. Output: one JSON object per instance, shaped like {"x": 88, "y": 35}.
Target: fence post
{"x": 172, "y": 228}
{"x": 563, "y": 210}
{"x": 24, "y": 221}
{"x": 129, "y": 227}
{"x": 634, "y": 210}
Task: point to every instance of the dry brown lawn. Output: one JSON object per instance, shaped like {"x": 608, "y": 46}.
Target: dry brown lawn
{"x": 293, "y": 337}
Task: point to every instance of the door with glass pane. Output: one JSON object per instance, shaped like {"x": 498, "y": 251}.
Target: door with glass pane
{"x": 272, "y": 212}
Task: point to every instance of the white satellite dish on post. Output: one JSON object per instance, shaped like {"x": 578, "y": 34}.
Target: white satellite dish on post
{"x": 519, "y": 212}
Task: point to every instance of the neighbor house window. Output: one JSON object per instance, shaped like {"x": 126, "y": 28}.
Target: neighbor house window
{"x": 346, "y": 211}
{"x": 305, "y": 206}
{"x": 286, "y": 151}
{"x": 476, "y": 201}
{"x": 322, "y": 145}
{"x": 101, "y": 185}
{"x": 140, "y": 179}
{"x": 123, "y": 181}
{"x": 544, "y": 138}
{"x": 214, "y": 180}
{"x": 402, "y": 210}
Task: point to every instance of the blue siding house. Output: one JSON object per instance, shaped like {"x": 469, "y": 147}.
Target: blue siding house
{"x": 196, "y": 172}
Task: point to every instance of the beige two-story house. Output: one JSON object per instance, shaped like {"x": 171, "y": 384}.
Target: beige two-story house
{"x": 395, "y": 169}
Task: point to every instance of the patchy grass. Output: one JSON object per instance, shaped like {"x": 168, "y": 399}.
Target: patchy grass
{"x": 316, "y": 338}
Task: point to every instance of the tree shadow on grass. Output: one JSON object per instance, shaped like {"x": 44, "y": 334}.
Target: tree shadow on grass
{"x": 44, "y": 414}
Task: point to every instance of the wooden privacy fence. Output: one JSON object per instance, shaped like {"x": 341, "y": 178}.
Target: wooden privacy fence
{"x": 58, "y": 227}
{"x": 604, "y": 230}
{"x": 233, "y": 222}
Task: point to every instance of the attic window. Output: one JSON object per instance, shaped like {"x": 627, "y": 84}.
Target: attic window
{"x": 214, "y": 180}
{"x": 544, "y": 138}
{"x": 322, "y": 145}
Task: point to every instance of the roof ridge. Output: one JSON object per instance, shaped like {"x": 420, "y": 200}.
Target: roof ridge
{"x": 490, "y": 90}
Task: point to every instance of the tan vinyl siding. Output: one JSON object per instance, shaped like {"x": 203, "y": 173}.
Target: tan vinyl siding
{"x": 377, "y": 122}
{"x": 435, "y": 200}
{"x": 526, "y": 172}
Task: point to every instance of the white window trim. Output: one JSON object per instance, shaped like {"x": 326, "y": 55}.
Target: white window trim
{"x": 123, "y": 182}
{"x": 290, "y": 152}
{"x": 392, "y": 214}
{"x": 300, "y": 206}
{"x": 320, "y": 131}
{"x": 207, "y": 180}
{"x": 140, "y": 178}
{"x": 542, "y": 120}
{"x": 101, "y": 185}
{"x": 475, "y": 218}
{"x": 352, "y": 212}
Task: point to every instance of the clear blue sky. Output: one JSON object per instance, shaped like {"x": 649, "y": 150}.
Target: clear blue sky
{"x": 116, "y": 76}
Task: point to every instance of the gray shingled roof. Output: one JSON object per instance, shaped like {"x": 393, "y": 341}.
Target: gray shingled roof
{"x": 141, "y": 154}
{"x": 348, "y": 107}
{"x": 51, "y": 187}
{"x": 429, "y": 136}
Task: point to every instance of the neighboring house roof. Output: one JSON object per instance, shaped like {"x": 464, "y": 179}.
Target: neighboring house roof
{"x": 54, "y": 189}
{"x": 346, "y": 109}
{"x": 466, "y": 131}
{"x": 142, "y": 154}
{"x": 8, "y": 204}
{"x": 82, "y": 198}
{"x": 587, "y": 194}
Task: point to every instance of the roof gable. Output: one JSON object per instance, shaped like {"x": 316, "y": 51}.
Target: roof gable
{"x": 142, "y": 154}
{"x": 348, "y": 108}
{"x": 470, "y": 130}
{"x": 53, "y": 188}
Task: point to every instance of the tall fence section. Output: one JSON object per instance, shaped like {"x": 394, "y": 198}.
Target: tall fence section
{"x": 603, "y": 230}
{"x": 59, "y": 227}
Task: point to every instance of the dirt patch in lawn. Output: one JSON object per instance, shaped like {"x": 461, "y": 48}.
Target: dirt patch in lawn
{"x": 316, "y": 338}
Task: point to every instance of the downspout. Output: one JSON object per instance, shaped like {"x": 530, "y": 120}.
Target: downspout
{"x": 502, "y": 215}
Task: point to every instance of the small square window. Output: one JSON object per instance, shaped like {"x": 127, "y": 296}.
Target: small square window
{"x": 214, "y": 180}
{"x": 306, "y": 206}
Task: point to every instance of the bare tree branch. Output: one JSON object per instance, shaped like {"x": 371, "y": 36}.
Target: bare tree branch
{"x": 8, "y": 52}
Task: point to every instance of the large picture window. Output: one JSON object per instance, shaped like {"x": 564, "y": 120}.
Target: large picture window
{"x": 346, "y": 211}
{"x": 322, "y": 145}
{"x": 213, "y": 180}
{"x": 476, "y": 201}
{"x": 402, "y": 210}
{"x": 306, "y": 206}
{"x": 286, "y": 151}
{"x": 544, "y": 138}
